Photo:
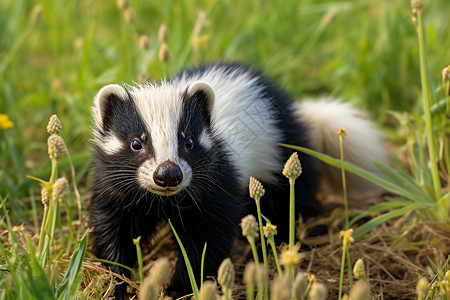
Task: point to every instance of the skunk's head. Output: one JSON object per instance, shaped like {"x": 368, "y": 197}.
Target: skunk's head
{"x": 153, "y": 136}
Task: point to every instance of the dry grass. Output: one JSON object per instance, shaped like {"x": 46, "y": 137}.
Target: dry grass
{"x": 395, "y": 254}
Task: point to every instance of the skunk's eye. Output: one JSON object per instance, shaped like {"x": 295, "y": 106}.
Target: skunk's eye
{"x": 189, "y": 143}
{"x": 136, "y": 145}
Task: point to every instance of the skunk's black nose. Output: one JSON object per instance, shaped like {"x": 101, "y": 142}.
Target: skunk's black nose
{"x": 168, "y": 174}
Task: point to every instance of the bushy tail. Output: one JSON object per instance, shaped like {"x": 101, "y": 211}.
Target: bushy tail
{"x": 363, "y": 143}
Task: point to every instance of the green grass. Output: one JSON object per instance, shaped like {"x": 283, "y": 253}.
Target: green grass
{"x": 362, "y": 51}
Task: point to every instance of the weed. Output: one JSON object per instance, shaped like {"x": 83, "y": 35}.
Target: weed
{"x": 34, "y": 272}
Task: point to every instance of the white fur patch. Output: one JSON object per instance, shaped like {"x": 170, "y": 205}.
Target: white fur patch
{"x": 160, "y": 107}
{"x": 110, "y": 144}
{"x": 205, "y": 140}
{"x": 145, "y": 177}
{"x": 363, "y": 143}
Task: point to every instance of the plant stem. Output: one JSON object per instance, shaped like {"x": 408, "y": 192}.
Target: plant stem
{"x": 426, "y": 109}
{"x": 344, "y": 184}
{"x": 202, "y": 265}
{"x": 251, "y": 241}
{"x": 275, "y": 255}
{"x": 54, "y": 209}
{"x": 42, "y": 233}
{"x": 349, "y": 267}
{"x": 264, "y": 251}
{"x": 45, "y": 183}
{"x": 50, "y": 220}
{"x": 250, "y": 292}
{"x": 341, "y": 278}
{"x": 226, "y": 293}
{"x": 53, "y": 174}
{"x": 307, "y": 289}
{"x": 292, "y": 213}
{"x": 139, "y": 258}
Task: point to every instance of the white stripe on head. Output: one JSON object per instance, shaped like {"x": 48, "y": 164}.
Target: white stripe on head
{"x": 160, "y": 108}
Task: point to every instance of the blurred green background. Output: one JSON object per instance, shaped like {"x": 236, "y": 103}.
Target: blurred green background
{"x": 55, "y": 55}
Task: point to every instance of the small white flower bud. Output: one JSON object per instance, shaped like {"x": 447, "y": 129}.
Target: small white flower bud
{"x": 163, "y": 33}
{"x": 160, "y": 271}
{"x": 422, "y": 287}
{"x": 249, "y": 226}
{"x": 54, "y": 125}
{"x": 359, "y": 270}
{"x": 225, "y": 274}
{"x": 164, "y": 53}
{"x": 256, "y": 189}
{"x": 208, "y": 291}
{"x": 292, "y": 169}
{"x": 300, "y": 285}
{"x": 60, "y": 188}
{"x": 56, "y": 146}
{"x": 318, "y": 292}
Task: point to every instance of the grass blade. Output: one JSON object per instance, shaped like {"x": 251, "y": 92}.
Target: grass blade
{"x": 378, "y": 179}
{"x": 433, "y": 265}
{"x": 35, "y": 279}
{"x": 385, "y": 206}
{"x": 187, "y": 262}
{"x": 66, "y": 287}
{"x": 383, "y": 218}
{"x": 202, "y": 265}
{"x": 105, "y": 261}
{"x": 403, "y": 180}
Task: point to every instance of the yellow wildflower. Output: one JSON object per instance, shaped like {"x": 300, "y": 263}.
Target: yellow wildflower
{"x": 422, "y": 287}
{"x": 346, "y": 235}
{"x": 270, "y": 229}
{"x": 290, "y": 256}
{"x": 341, "y": 132}
{"x": 5, "y": 122}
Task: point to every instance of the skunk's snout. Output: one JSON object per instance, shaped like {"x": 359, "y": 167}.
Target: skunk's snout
{"x": 168, "y": 174}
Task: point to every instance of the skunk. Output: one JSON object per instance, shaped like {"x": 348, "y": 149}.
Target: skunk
{"x": 184, "y": 150}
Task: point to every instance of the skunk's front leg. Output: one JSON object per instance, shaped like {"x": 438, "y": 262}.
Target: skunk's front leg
{"x": 114, "y": 229}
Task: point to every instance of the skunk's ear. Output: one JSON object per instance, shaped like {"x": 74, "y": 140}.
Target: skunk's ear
{"x": 105, "y": 102}
{"x": 203, "y": 94}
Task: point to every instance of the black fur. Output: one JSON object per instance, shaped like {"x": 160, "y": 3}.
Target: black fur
{"x": 210, "y": 209}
